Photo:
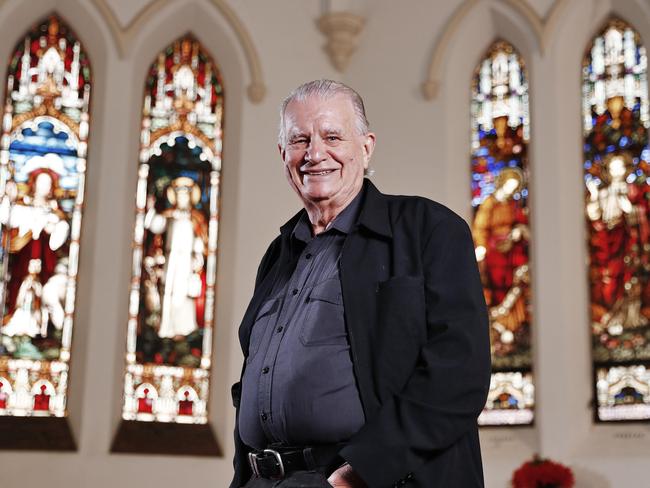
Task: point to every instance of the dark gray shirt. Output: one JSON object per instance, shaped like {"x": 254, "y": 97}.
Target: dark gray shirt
{"x": 298, "y": 386}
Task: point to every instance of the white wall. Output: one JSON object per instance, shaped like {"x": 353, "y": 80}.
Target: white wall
{"x": 422, "y": 149}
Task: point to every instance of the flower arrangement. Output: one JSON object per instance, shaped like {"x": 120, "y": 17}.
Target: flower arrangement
{"x": 542, "y": 473}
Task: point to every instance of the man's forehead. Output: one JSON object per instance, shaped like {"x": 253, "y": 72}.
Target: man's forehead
{"x": 332, "y": 110}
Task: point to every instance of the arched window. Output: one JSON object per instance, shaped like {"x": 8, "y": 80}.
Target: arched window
{"x": 500, "y": 124}
{"x": 616, "y": 170}
{"x": 42, "y": 173}
{"x": 171, "y": 304}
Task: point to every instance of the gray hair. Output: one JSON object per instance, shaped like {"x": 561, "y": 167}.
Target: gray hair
{"x": 324, "y": 89}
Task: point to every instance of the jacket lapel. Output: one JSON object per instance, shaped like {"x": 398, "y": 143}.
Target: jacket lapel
{"x": 365, "y": 261}
{"x": 268, "y": 278}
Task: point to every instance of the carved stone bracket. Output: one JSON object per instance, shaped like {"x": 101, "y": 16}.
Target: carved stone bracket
{"x": 342, "y": 30}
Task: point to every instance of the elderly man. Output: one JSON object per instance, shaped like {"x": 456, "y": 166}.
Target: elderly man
{"x": 366, "y": 340}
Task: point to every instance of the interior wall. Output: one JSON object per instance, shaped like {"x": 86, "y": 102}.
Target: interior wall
{"x": 423, "y": 148}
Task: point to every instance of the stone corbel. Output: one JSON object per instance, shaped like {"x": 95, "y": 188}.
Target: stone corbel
{"x": 342, "y": 30}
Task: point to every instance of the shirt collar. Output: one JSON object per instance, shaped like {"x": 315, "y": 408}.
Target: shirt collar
{"x": 343, "y": 222}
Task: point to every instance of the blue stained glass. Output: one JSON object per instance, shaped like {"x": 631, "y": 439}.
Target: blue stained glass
{"x": 45, "y": 147}
{"x": 623, "y": 141}
{"x": 587, "y": 164}
{"x": 611, "y": 148}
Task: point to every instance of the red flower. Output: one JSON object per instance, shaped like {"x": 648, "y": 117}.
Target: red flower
{"x": 540, "y": 473}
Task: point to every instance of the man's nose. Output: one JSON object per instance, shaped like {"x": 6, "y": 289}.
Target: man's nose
{"x": 315, "y": 151}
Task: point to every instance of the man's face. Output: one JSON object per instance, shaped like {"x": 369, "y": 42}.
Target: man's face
{"x": 325, "y": 156}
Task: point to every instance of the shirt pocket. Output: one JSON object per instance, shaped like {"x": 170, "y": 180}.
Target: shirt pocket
{"x": 324, "y": 322}
{"x": 266, "y": 315}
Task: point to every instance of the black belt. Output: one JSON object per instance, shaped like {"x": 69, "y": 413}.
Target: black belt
{"x": 277, "y": 462}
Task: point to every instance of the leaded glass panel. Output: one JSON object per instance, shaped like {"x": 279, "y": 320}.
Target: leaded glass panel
{"x": 42, "y": 172}
{"x": 500, "y": 125}
{"x": 172, "y": 292}
{"x": 616, "y": 169}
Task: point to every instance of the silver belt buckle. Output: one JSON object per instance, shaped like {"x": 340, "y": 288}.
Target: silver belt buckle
{"x": 252, "y": 460}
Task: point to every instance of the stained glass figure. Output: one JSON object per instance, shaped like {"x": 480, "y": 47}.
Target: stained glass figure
{"x": 175, "y": 241}
{"x": 616, "y": 170}
{"x": 500, "y": 124}
{"x": 42, "y": 172}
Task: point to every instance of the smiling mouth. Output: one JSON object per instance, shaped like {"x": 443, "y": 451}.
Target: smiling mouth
{"x": 318, "y": 173}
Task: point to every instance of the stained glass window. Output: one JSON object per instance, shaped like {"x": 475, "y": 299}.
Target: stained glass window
{"x": 42, "y": 172}
{"x": 500, "y": 131}
{"x": 616, "y": 170}
{"x": 172, "y": 294}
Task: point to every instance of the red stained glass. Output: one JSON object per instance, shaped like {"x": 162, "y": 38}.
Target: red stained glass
{"x": 42, "y": 400}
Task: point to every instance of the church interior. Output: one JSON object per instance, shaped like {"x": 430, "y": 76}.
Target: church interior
{"x": 140, "y": 184}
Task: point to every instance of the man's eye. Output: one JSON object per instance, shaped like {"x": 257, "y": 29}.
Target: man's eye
{"x": 299, "y": 141}
{"x": 332, "y": 138}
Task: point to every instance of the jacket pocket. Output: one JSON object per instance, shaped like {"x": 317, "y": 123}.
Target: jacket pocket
{"x": 266, "y": 313}
{"x": 324, "y": 323}
{"x": 401, "y": 316}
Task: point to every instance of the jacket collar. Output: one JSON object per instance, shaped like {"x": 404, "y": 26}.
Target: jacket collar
{"x": 373, "y": 214}
{"x": 374, "y": 211}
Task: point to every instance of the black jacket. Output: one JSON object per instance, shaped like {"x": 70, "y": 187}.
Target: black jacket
{"x": 418, "y": 331}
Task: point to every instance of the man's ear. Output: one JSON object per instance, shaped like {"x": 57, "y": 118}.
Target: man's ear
{"x": 368, "y": 148}
{"x": 282, "y": 151}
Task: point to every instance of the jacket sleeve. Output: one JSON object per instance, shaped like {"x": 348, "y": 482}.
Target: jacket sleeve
{"x": 447, "y": 389}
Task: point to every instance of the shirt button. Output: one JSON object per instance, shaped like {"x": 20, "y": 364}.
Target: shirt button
{"x": 265, "y": 370}
{"x": 294, "y": 291}
{"x": 308, "y": 256}
{"x": 263, "y": 416}
{"x": 279, "y": 329}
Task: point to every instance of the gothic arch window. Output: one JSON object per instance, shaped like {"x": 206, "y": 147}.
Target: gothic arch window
{"x": 500, "y": 128}
{"x": 172, "y": 295}
{"x": 42, "y": 174}
{"x": 617, "y": 199}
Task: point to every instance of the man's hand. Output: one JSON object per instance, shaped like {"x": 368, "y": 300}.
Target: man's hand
{"x": 345, "y": 477}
